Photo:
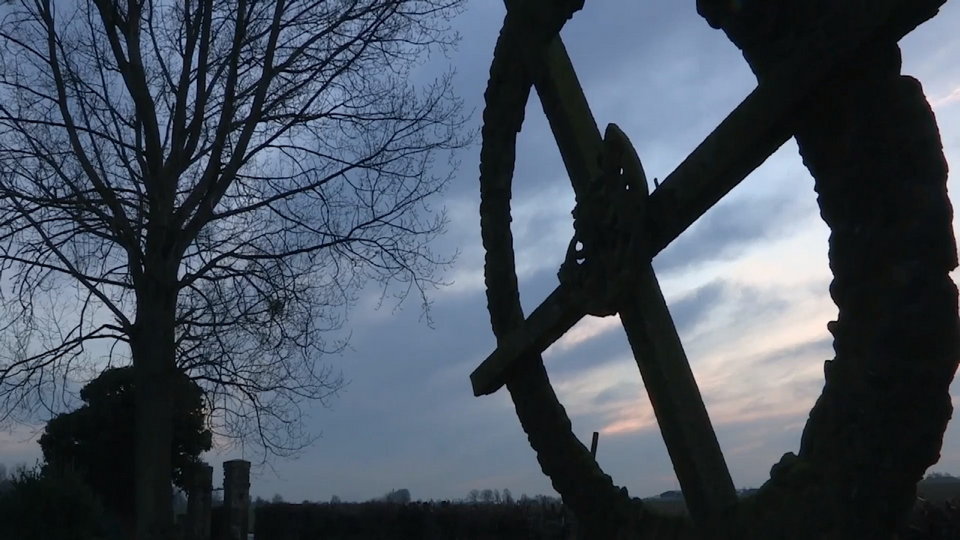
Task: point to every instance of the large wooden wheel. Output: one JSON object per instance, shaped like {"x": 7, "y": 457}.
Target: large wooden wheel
{"x": 621, "y": 228}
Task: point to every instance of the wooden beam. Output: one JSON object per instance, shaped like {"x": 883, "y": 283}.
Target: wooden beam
{"x": 552, "y": 318}
{"x": 579, "y": 141}
{"x": 569, "y": 115}
{"x": 681, "y": 415}
{"x": 685, "y": 424}
{"x": 764, "y": 120}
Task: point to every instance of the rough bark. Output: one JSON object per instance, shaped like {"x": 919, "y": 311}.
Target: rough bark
{"x": 152, "y": 348}
{"x": 871, "y": 142}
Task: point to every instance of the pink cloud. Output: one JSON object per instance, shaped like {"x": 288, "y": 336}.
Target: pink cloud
{"x": 630, "y": 419}
{"x": 952, "y": 97}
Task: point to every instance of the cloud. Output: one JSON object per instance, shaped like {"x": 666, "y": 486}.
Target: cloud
{"x": 615, "y": 393}
{"x": 822, "y": 347}
{"x": 609, "y": 395}
{"x": 787, "y": 385}
{"x": 586, "y": 330}
{"x": 19, "y": 445}
{"x": 596, "y": 341}
{"x": 948, "y": 99}
{"x": 630, "y": 420}
{"x": 693, "y": 308}
{"x": 541, "y": 224}
{"x": 690, "y": 310}
{"x": 757, "y": 353}
{"x": 729, "y": 229}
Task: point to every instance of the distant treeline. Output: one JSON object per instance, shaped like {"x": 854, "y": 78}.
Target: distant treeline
{"x": 414, "y": 521}
{"x": 482, "y": 521}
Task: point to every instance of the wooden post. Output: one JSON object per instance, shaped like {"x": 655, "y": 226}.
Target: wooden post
{"x": 593, "y": 444}
{"x": 681, "y": 415}
{"x": 199, "y": 497}
{"x": 236, "y": 498}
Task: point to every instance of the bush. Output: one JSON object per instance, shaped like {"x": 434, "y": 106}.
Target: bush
{"x": 50, "y": 506}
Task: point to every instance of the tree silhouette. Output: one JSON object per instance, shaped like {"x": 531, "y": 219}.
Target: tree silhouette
{"x": 204, "y": 186}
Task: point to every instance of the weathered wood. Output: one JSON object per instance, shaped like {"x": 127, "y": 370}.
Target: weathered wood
{"x": 603, "y": 509}
{"x": 701, "y": 467}
{"x": 578, "y": 138}
{"x": 681, "y": 415}
{"x": 870, "y": 141}
{"x": 742, "y": 142}
{"x": 569, "y": 115}
{"x": 672, "y": 211}
{"x": 552, "y": 318}
{"x": 765, "y": 119}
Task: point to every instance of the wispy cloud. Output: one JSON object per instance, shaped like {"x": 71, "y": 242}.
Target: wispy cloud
{"x": 730, "y": 229}
{"x": 952, "y": 97}
{"x": 631, "y": 421}
{"x": 757, "y": 353}
{"x": 688, "y": 309}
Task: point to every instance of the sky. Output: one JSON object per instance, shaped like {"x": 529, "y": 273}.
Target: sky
{"x": 747, "y": 286}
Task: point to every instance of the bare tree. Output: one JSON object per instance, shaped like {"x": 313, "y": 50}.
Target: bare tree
{"x": 205, "y": 185}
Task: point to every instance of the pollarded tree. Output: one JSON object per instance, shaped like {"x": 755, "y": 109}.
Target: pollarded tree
{"x": 207, "y": 183}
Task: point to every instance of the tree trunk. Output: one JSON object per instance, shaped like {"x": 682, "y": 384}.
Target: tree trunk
{"x": 152, "y": 346}
{"x": 871, "y": 142}
{"x": 881, "y": 178}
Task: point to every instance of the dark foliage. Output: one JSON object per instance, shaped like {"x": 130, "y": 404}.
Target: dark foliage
{"x": 931, "y": 521}
{"x": 532, "y": 520}
{"x": 96, "y": 440}
{"x": 420, "y": 521}
{"x": 51, "y": 506}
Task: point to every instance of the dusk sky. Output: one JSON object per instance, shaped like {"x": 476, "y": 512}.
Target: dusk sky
{"x": 747, "y": 286}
